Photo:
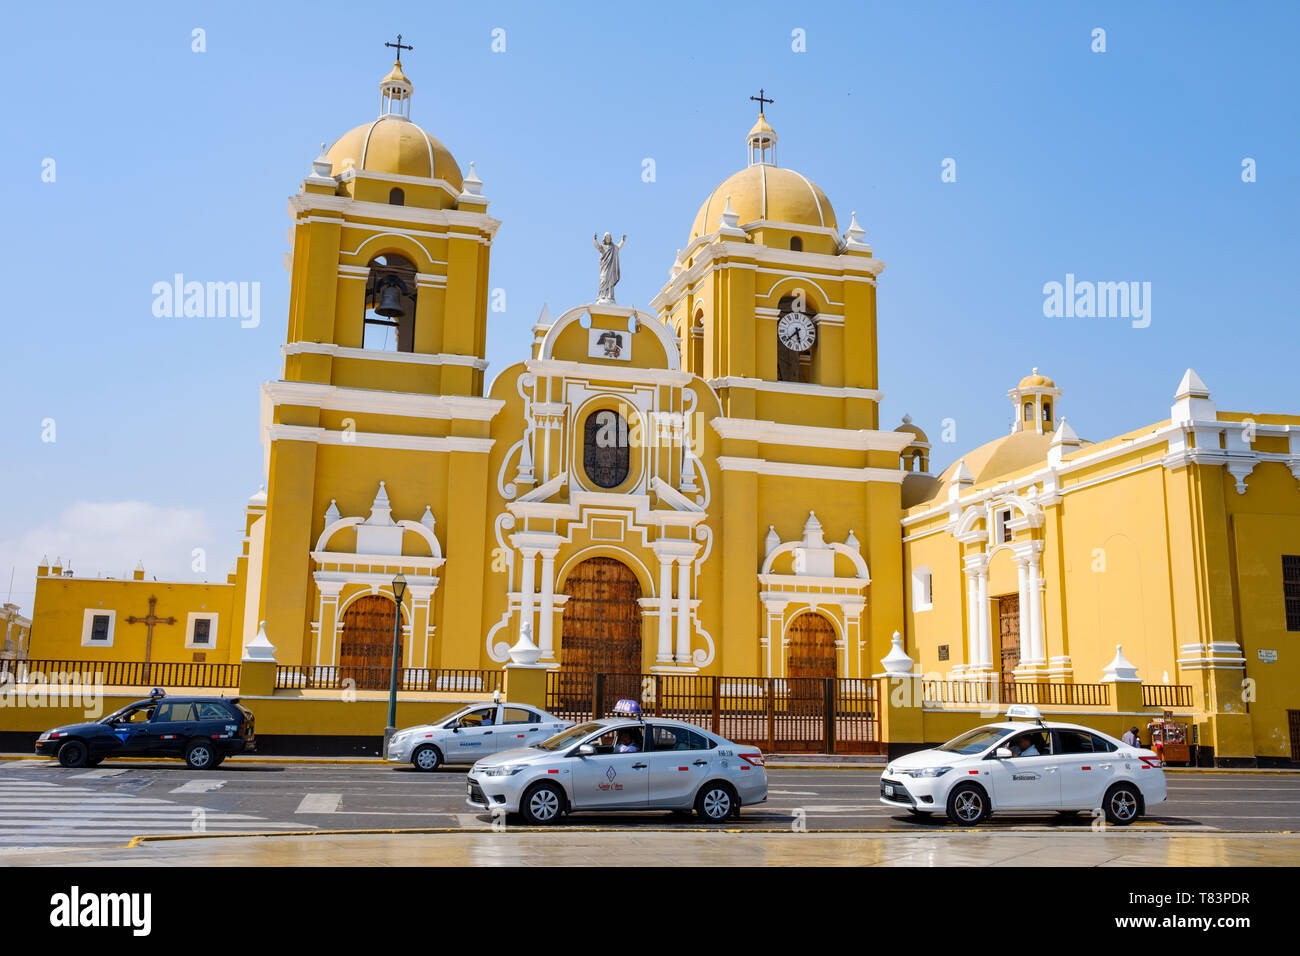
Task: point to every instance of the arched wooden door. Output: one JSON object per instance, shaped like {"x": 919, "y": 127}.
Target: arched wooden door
{"x": 810, "y": 660}
{"x": 1009, "y": 636}
{"x": 600, "y": 632}
{"x": 366, "y": 654}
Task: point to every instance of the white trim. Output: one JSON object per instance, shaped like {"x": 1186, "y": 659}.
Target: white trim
{"x": 304, "y": 205}
{"x": 407, "y": 358}
{"x": 324, "y": 436}
{"x": 403, "y": 404}
{"x": 88, "y": 620}
{"x": 781, "y": 469}
{"x": 561, "y": 368}
{"x": 211, "y": 618}
{"x": 812, "y": 436}
{"x": 796, "y": 388}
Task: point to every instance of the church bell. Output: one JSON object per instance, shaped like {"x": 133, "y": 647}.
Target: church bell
{"x": 390, "y": 299}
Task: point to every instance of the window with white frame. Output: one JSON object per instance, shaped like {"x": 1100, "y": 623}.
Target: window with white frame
{"x": 922, "y": 596}
{"x": 1004, "y": 526}
{"x": 97, "y": 627}
{"x": 201, "y": 630}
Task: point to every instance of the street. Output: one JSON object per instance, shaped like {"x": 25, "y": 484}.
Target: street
{"x": 45, "y": 805}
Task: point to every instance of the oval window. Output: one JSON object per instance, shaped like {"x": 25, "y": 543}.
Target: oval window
{"x": 605, "y": 452}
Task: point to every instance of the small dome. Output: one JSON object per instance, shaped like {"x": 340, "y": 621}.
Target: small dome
{"x": 762, "y": 191}
{"x": 1034, "y": 380}
{"x": 911, "y": 429}
{"x": 392, "y": 144}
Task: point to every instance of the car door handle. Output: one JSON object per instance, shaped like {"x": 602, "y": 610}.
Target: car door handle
{"x": 638, "y": 766}
{"x": 532, "y": 730}
{"x": 701, "y": 763}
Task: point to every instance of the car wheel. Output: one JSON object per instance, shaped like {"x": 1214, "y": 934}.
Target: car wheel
{"x": 968, "y": 805}
{"x": 73, "y": 754}
{"x": 715, "y": 802}
{"x": 1122, "y": 804}
{"x": 199, "y": 755}
{"x": 427, "y": 758}
{"x": 543, "y": 804}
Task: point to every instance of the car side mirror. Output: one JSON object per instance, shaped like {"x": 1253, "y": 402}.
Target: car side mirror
{"x": 1004, "y": 753}
{"x": 586, "y": 750}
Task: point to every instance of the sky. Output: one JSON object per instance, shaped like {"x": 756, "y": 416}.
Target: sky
{"x": 988, "y": 149}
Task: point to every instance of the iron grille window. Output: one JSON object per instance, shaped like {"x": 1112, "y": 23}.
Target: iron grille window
{"x": 1291, "y": 590}
{"x": 99, "y": 628}
{"x": 605, "y": 453}
{"x": 202, "y": 630}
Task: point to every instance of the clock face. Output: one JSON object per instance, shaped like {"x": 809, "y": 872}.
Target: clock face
{"x": 796, "y": 332}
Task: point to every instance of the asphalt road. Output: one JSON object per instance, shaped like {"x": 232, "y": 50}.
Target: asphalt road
{"x": 44, "y": 805}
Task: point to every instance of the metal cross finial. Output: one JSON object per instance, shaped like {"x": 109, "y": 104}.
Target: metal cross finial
{"x": 400, "y": 47}
{"x": 760, "y": 99}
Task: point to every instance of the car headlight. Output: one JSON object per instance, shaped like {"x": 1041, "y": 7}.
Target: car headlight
{"x": 928, "y": 772}
{"x": 507, "y": 770}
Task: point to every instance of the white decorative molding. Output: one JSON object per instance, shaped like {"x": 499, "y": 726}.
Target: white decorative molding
{"x": 795, "y": 388}
{"x": 87, "y": 626}
{"x": 821, "y": 472}
{"x": 779, "y": 433}
{"x": 401, "y": 404}
{"x": 209, "y": 616}
{"x": 324, "y": 436}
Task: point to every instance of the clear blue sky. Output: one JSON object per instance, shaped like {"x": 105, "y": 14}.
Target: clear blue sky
{"x": 1123, "y": 165}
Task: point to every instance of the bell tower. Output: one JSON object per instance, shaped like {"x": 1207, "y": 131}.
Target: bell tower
{"x": 771, "y": 303}
{"x": 389, "y": 261}
{"x": 381, "y": 386}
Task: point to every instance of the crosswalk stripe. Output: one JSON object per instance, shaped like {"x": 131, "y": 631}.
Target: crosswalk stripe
{"x": 38, "y": 813}
{"x": 320, "y": 803}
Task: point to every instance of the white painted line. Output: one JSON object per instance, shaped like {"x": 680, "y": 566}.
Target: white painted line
{"x": 97, "y": 774}
{"x": 790, "y": 793}
{"x": 200, "y": 786}
{"x": 320, "y": 803}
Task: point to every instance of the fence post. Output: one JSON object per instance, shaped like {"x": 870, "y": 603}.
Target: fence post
{"x": 771, "y": 714}
{"x": 598, "y": 696}
{"x": 659, "y": 695}
{"x": 717, "y": 705}
{"x": 828, "y": 710}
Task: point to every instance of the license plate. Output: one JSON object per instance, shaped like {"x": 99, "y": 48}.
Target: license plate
{"x": 889, "y": 791}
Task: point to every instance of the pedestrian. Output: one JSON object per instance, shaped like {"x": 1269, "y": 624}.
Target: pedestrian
{"x": 1131, "y": 737}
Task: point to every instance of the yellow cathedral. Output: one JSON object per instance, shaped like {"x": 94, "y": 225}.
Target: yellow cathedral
{"x": 705, "y": 487}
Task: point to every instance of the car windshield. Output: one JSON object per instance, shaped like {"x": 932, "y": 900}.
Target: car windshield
{"x": 568, "y": 738}
{"x": 975, "y": 741}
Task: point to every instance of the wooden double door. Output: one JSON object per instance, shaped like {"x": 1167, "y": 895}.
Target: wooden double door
{"x": 810, "y": 661}
{"x": 366, "y": 653}
{"x": 1009, "y": 635}
{"x": 600, "y": 632}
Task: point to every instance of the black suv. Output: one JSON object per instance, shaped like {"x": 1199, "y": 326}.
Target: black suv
{"x": 203, "y": 730}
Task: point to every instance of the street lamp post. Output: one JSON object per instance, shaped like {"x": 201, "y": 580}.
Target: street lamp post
{"x": 399, "y": 591}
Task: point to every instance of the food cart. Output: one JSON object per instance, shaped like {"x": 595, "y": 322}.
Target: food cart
{"x": 1169, "y": 739}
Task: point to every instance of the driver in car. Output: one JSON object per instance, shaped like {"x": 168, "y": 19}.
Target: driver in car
{"x": 1023, "y": 746}
{"x": 626, "y": 743}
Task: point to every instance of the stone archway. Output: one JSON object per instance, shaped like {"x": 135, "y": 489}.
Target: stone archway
{"x": 600, "y": 632}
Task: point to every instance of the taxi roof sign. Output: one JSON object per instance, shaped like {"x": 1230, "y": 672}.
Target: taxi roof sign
{"x": 627, "y": 708}
{"x": 1025, "y": 712}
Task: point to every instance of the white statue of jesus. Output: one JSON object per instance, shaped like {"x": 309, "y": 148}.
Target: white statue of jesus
{"x": 608, "y": 265}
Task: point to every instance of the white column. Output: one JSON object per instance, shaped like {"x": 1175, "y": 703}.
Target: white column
{"x": 982, "y": 609}
{"x": 526, "y": 588}
{"x": 1027, "y": 652}
{"x": 546, "y": 637}
{"x": 664, "y": 654}
{"x": 972, "y": 621}
{"x": 1036, "y": 612}
{"x": 683, "y": 611}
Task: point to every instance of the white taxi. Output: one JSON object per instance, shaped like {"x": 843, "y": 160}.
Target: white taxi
{"x": 472, "y": 733}
{"x": 622, "y": 763}
{"x": 1026, "y": 765}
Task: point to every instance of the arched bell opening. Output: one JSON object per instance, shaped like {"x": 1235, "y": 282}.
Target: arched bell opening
{"x": 389, "y": 322}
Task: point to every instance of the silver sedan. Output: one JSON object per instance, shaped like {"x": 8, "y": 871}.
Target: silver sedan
{"x": 621, "y": 764}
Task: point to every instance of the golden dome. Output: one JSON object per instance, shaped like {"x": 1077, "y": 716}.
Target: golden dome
{"x": 911, "y": 429}
{"x": 393, "y": 144}
{"x": 763, "y": 191}
{"x": 762, "y": 129}
{"x": 1034, "y": 380}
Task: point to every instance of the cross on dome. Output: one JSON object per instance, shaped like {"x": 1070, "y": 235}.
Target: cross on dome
{"x": 761, "y": 140}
